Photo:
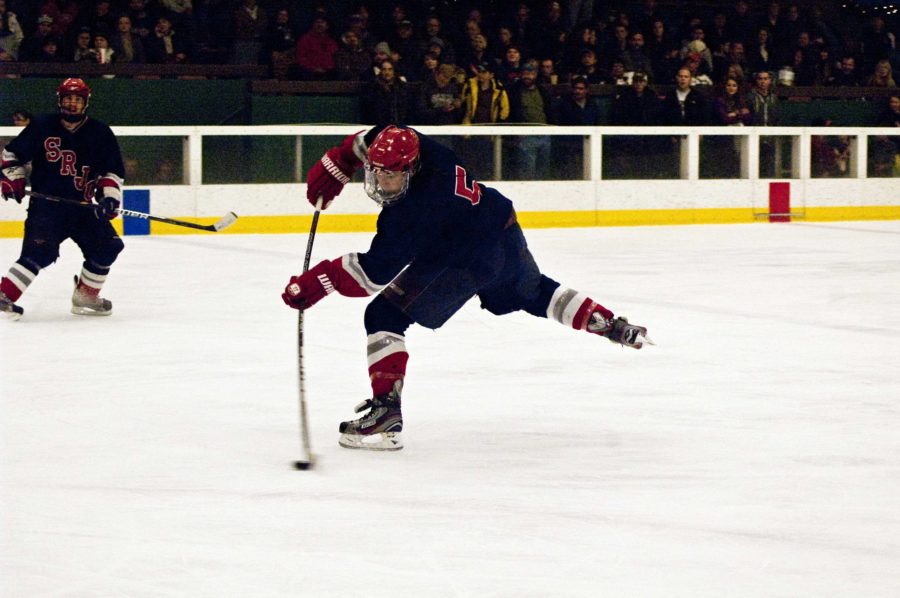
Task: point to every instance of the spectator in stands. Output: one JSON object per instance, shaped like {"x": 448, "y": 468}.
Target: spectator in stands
{"x": 440, "y": 98}
{"x": 615, "y": 47}
{"x": 11, "y": 24}
{"x": 165, "y": 45}
{"x": 502, "y": 40}
{"x": 142, "y": 21}
{"x": 434, "y": 34}
{"x": 83, "y": 50}
{"x": 32, "y": 47}
{"x": 730, "y": 105}
{"x": 718, "y": 36}
{"x": 591, "y": 71}
{"x": 280, "y": 43}
{"x": 635, "y": 105}
{"x": 405, "y": 43}
{"x": 250, "y": 23}
{"x": 658, "y": 41}
{"x": 762, "y": 55}
{"x": 103, "y": 53}
{"x": 64, "y": 14}
{"x": 351, "y": 60}
{"x": 635, "y": 58}
{"x": 9, "y": 45}
{"x": 510, "y": 69}
{"x": 380, "y": 54}
{"x": 99, "y": 17}
{"x": 741, "y": 21}
{"x": 385, "y": 100}
{"x": 126, "y": 44}
{"x": 578, "y": 108}
{"x": 763, "y": 105}
{"x": 583, "y": 37}
{"x": 824, "y": 67}
{"x": 477, "y": 53}
{"x": 530, "y": 104}
{"x": 316, "y": 50}
{"x": 49, "y": 51}
{"x": 426, "y": 70}
{"x": 21, "y": 117}
{"x": 549, "y": 40}
{"x": 883, "y": 75}
{"x": 684, "y": 105}
{"x": 180, "y": 11}
{"x": 616, "y": 74}
{"x": 486, "y": 101}
{"x": 877, "y": 43}
{"x": 846, "y": 75}
{"x": 547, "y": 75}
{"x": 883, "y": 149}
{"x": 762, "y": 101}
{"x": 699, "y": 73}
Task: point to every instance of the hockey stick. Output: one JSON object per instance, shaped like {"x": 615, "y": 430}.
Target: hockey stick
{"x": 224, "y": 222}
{"x": 309, "y": 459}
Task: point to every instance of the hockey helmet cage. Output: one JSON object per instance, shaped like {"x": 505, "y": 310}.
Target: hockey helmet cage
{"x": 73, "y": 86}
{"x": 395, "y": 150}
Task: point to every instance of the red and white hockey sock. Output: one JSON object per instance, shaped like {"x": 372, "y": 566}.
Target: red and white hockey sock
{"x": 387, "y": 361}
{"x": 16, "y": 281}
{"x": 90, "y": 283}
{"x": 571, "y": 308}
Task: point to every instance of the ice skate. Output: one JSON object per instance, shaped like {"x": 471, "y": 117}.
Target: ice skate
{"x": 10, "y": 310}
{"x": 379, "y": 429}
{"x": 619, "y": 331}
{"x": 88, "y": 302}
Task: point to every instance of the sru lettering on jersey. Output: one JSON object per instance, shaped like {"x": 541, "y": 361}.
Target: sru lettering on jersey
{"x": 67, "y": 160}
{"x": 471, "y": 193}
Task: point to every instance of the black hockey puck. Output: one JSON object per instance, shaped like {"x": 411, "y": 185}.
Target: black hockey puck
{"x": 302, "y": 465}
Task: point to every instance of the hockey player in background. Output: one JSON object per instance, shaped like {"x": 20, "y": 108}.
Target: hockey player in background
{"x": 441, "y": 239}
{"x": 73, "y": 157}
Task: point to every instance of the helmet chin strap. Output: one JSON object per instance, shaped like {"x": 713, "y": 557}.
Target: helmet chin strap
{"x": 72, "y": 118}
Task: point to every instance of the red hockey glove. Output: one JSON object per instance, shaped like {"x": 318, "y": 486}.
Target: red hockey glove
{"x": 327, "y": 177}
{"x": 309, "y": 288}
{"x": 12, "y": 189}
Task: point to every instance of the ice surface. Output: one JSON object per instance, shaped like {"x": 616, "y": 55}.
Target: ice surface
{"x": 754, "y": 452}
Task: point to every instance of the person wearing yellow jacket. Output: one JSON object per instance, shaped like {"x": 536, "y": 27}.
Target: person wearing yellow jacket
{"x": 486, "y": 100}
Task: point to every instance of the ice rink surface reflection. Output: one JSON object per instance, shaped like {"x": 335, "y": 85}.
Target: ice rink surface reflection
{"x": 754, "y": 452}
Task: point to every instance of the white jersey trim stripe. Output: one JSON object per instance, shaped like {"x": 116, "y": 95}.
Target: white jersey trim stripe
{"x": 350, "y": 264}
{"x": 383, "y": 344}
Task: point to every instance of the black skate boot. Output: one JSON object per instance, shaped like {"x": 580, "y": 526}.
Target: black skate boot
{"x": 619, "y": 331}
{"x": 88, "y": 302}
{"x": 9, "y": 309}
{"x": 379, "y": 429}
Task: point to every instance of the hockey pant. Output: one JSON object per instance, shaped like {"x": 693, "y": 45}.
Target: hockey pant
{"x": 46, "y": 227}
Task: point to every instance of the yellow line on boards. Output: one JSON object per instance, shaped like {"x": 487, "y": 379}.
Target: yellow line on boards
{"x": 342, "y": 223}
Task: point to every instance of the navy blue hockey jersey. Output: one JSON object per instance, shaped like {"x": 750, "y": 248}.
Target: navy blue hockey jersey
{"x": 446, "y": 218}
{"x": 67, "y": 164}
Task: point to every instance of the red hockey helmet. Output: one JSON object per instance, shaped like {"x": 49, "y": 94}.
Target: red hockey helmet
{"x": 395, "y": 149}
{"x": 391, "y": 161}
{"x": 73, "y": 86}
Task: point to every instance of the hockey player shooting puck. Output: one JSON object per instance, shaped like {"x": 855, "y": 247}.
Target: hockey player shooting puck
{"x": 294, "y": 289}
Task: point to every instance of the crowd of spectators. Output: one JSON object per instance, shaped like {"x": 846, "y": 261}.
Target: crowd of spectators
{"x": 599, "y": 40}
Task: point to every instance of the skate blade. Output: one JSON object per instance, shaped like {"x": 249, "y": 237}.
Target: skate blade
{"x": 643, "y": 339}
{"x": 13, "y": 314}
{"x": 385, "y": 441}
{"x": 87, "y": 311}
